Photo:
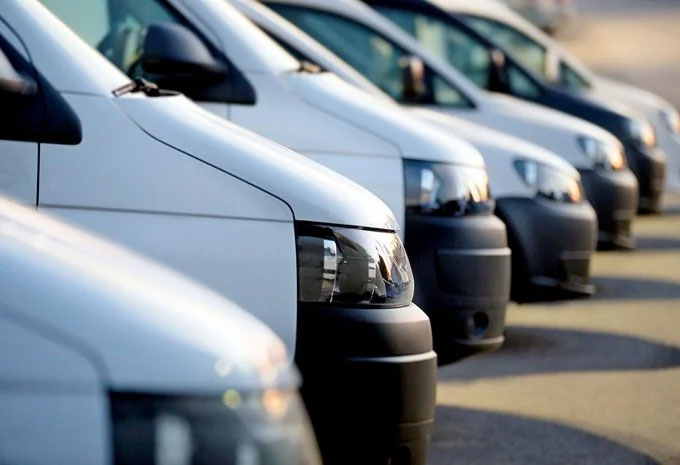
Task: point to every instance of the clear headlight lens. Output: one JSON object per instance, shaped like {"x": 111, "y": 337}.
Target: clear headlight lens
{"x": 548, "y": 182}
{"x": 604, "y": 156}
{"x": 641, "y": 132}
{"x": 446, "y": 190}
{"x": 268, "y": 427}
{"x": 672, "y": 119}
{"x": 339, "y": 265}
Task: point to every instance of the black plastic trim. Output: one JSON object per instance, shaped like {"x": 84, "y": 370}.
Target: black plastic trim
{"x": 369, "y": 382}
{"x": 649, "y": 167}
{"x": 552, "y": 243}
{"x": 41, "y": 117}
{"x": 614, "y": 196}
{"x": 462, "y": 272}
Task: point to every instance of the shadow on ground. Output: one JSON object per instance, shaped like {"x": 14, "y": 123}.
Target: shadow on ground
{"x": 657, "y": 243}
{"x": 531, "y": 350}
{"x": 618, "y": 288}
{"x": 478, "y": 437}
{"x": 672, "y": 206}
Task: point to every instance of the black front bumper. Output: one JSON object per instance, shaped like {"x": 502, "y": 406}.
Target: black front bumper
{"x": 462, "y": 273}
{"x": 614, "y": 196}
{"x": 552, "y": 244}
{"x": 369, "y": 381}
{"x": 650, "y": 171}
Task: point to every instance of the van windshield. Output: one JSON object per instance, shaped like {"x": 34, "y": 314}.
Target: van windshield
{"x": 115, "y": 28}
{"x": 375, "y": 56}
{"x": 527, "y": 51}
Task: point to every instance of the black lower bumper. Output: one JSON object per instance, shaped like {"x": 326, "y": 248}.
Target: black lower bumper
{"x": 614, "y": 196}
{"x": 552, "y": 244}
{"x": 650, "y": 171}
{"x": 369, "y": 380}
{"x": 462, "y": 274}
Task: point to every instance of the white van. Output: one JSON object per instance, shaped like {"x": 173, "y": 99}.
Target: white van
{"x": 310, "y": 253}
{"x": 551, "y": 228}
{"x": 109, "y": 359}
{"x": 436, "y": 185}
{"x": 378, "y": 46}
{"x": 548, "y": 59}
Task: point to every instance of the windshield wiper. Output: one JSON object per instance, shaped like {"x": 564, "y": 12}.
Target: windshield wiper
{"x": 309, "y": 67}
{"x": 138, "y": 85}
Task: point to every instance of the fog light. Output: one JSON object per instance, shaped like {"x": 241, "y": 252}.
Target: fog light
{"x": 477, "y": 324}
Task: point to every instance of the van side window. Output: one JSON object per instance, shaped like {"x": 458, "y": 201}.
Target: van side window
{"x": 520, "y": 84}
{"x": 446, "y": 41}
{"x": 571, "y": 79}
{"x": 529, "y": 52}
{"x": 369, "y": 52}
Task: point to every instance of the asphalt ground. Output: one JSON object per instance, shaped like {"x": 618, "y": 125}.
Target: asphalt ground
{"x": 589, "y": 381}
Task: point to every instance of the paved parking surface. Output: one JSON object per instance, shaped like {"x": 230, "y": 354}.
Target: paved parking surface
{"x": 594, "y": 381}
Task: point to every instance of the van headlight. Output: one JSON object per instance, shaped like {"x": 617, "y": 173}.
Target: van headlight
{"x": 641, "y": 132}
{"x": 444, "y": 189}
{"x": 672, "y": 119}
{"x": 548, "y": 182}
{"x": 604, "y": 156}
{"x": 264, "y": 427}
{"x": 346, "y": 266}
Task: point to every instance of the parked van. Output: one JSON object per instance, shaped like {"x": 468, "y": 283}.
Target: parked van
{"x": 552, "y": 229}
{"x": 109, "y": 359}
{"x": 498, "y": 72}
{"x": 556, "y": 66}
{"x": 436, "y": 185}
{"x": 310, "y": 253}
{"x": 377, "y": 45}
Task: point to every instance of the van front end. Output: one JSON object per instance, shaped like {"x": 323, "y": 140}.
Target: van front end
{"x": 614, "y": 196}
{"x": 460, "y": 257}
{"x": 649, "y": 166}
{"x": 363, "y": 348}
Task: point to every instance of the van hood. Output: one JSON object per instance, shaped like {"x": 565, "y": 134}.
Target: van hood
{"x": 542, "y": 116}
{"x": 637, "y": 98}
{"x": 495, "y": 144}
{"x": 138, "y": 325}
{"x": 411, "y": 138}
{"x": 311, "y": 191}
{"x": 617, "y": 106}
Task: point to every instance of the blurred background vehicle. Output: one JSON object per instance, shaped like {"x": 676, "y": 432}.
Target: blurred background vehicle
{"x": 341, "y": 25}
{"x": 554, "y": 64}
{"x": 549, "y": 15}
{"x": 312, "y": 254}
{"x": 451, "y": 40}
{"x": 551, "y": 227}
{"x": 434, "y": 183}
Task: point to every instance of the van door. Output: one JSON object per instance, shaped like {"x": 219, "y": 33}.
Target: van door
{"x": 18, "y": 158}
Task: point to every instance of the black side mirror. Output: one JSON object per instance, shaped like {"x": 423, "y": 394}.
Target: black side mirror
{"x": 31, "y": 110}
{"x": 13, "y": 83}
{"x": 175, "y": 55}
{"x": 413, "y": 79}
{"x": 498, "y": 76}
